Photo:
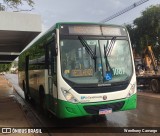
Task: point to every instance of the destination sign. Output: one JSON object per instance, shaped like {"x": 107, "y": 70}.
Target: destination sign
{"x": 99, "y": 30}
{"x": 81, "y": 72}
{"x": 85, "y": 30}
{"x": 116, "y": 31}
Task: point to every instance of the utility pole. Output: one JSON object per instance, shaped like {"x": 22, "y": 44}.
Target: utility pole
{"x": 123, "y": 11}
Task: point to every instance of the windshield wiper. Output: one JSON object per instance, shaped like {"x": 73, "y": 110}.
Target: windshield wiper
{"x": 107, "y": 52}
{"x": 109, "y": 48}
{"x": 88, "y": 49}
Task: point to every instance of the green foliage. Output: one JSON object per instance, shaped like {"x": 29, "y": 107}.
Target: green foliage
{"x": 146, "y": 28}
{"x": 5, "y": 67}
{"x": 14, "y": 4}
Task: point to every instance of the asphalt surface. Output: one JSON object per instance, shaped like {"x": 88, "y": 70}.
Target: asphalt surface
{"x": 147, "y": 115}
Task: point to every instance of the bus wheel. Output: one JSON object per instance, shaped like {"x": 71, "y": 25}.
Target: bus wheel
{"x": 25, "y": 92}
{"x": 154, "y": 85}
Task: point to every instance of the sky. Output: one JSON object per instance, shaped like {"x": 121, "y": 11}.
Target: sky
{"x": 52, "y": 11}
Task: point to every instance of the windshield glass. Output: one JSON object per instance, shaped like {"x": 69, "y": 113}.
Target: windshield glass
{"x": 107, "y": 61}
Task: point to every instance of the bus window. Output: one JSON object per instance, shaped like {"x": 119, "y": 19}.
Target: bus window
{"x": 79, "y": 66}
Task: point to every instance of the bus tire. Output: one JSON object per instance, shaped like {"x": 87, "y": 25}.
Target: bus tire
{"x": 155, "y": 85}
{"x": 25, "y": 92}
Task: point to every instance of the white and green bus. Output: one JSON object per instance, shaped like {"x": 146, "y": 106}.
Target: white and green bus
{"x": 80, "y": 69}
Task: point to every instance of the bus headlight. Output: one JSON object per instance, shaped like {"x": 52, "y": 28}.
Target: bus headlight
{"x": 132, "y": 90}
{"x": 69, "y": 97}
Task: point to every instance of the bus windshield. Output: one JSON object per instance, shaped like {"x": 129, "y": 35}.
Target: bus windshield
{"x": 96, "y": 61}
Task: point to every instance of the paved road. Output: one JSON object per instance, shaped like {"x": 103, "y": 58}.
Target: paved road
{"x": 147, "y": 114}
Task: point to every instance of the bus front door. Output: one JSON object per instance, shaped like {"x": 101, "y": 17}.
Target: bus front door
{"x": 52, "y": 80}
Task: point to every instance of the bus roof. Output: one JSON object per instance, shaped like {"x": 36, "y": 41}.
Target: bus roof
{"x": 58, "y": 24}
{"x": 83, "y": 23}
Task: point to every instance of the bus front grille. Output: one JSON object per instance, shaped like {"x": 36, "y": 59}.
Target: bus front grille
{"x": 94, "y": 109}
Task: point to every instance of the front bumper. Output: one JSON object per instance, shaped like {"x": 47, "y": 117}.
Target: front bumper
{"x": 67, "y": 110}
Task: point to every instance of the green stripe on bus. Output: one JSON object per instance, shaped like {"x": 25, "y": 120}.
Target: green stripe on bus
{"x": 65, "y": 109}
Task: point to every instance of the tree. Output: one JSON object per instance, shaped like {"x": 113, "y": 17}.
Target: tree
{"x": 5, "y": 67}
{"x": 146, "y": 28}
{"x": 14, "y": 4}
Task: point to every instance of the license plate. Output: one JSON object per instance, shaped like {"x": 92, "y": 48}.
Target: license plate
{"x": 105, "y": 111}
